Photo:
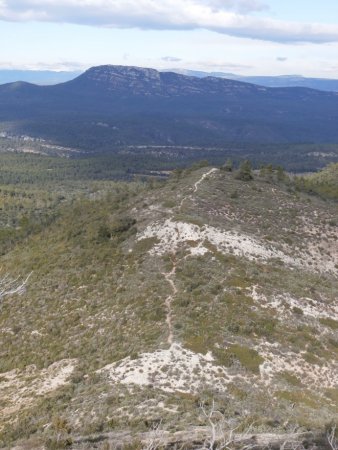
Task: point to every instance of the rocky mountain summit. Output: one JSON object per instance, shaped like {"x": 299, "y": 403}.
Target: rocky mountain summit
{"x": 201, "y": 311}
{"x": 140, "y": 81}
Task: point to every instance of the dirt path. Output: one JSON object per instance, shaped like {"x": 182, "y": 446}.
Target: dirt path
{"x": 196, "y": 185}
{"x": 202, "y": 179}
{"x": 168, "y": 301}
{"x": 169, "y": 276}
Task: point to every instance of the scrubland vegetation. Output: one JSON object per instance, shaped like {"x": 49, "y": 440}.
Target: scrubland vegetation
{"x": 254, "y": 303}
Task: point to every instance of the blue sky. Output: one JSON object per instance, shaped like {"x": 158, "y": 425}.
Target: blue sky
{"x": 249, "y": 37}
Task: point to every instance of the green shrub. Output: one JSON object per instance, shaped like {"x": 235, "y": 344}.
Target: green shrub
{"x": 328, "y": 322}
{"x": 248, "y": 357}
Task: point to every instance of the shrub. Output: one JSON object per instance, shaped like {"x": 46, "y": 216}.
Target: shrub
{"x": 248, "y": 357}
{"x": 328, "y": 322}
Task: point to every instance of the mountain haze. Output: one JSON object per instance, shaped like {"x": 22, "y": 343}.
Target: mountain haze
{"x": 322, "y": 84}
{"x": 43, "y": 77}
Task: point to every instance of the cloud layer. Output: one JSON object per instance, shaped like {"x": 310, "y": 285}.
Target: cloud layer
{"x": 230, "y": 17}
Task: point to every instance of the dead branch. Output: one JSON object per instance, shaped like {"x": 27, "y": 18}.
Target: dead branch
{"x": 11, "y": 286}
{"x": 155, "y": 439}
{"x": 331, "y": 438}
{"x": 221, "y": 435}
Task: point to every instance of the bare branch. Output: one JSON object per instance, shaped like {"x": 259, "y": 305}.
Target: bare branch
{"x": 331, "y": 438}
{"x": 222, "y": 434}
{"x": 11, "y": 286}
{"x": 155, "y": 438}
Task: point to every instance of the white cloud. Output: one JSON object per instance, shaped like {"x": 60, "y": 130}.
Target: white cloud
{"x": 60, "y": 66}
{"x": 170, "y": 59}
{"x": 242, "y": 6}
{"x": 219, "y": 66}
{"x": 231, "y": 17}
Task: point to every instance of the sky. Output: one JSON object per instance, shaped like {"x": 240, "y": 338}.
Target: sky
{"x": 246, "y": 37}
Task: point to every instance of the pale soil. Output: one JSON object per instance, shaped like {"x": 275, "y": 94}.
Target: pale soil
{"x": 284, "y": 302}
{"x": 20, "y": 389}
{"x": 277, "y": 360}
{"x": 170, "y": 370}
{"x": 173, "y": 235}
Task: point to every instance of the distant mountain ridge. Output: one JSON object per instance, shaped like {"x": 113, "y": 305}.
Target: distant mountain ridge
{"x": 43, "y": 77}
{"x": 141, "y": 106}
{"x": 322, "y": 84}
{"x": 50, "y": 77}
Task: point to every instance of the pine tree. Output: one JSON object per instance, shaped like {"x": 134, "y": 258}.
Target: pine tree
{"x": 228, "y": 165}
{"x": 244, "y": 172}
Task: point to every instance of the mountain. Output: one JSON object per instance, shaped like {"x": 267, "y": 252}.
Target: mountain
{"x": 43, "y": 77}
{"x": 49, "y": 77}
{"x": 136, "y": 314}
{"x": 109, "y": 107}
{"x": 322, "y": 84}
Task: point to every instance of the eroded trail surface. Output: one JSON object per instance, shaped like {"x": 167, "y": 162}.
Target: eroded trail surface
{"x": 168, "y": 301}
{"x": 196, "y": 185}
{"x": 202, "y": 179}
{"x": 170, "y": 276}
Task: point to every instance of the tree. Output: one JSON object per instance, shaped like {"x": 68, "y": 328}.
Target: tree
{"x": 281, "y": 175}
{"x": 266, "y": 172}
{"x": 244, "y": 172}
{"x": 227, "y": 166}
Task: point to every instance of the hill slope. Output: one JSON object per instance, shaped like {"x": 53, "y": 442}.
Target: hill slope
{"x": 155, "y": 305}
{"x": 110, "y": 106}
{"x": 324, "y": 182}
